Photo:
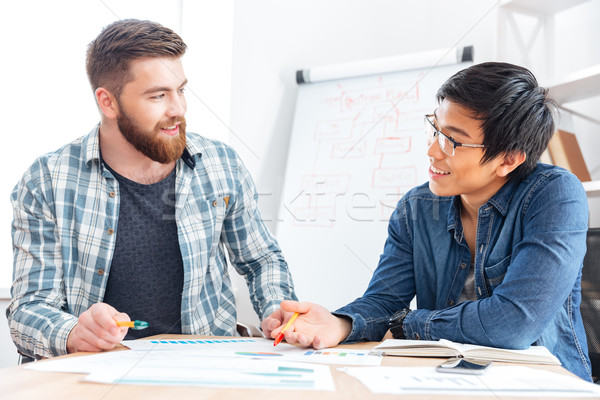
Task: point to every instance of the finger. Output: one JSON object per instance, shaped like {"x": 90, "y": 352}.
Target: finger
{"x": 318, "y": 343}
{"x": 304, "y": 340}
{"x": 290, "y": 337}
{"x": 273, "y": 323}
{"x": 267, "y": 326}
{"x": 295, "y": 306}
{"x": 110, "y": 333}
{"x": 87, "y": 340}
{"x": 122, "y": 317}
{"x": 104, "y": 316}
{"x": 279, "y": 328}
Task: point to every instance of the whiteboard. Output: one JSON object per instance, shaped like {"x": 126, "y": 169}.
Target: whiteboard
{"x": 357, "y": 145}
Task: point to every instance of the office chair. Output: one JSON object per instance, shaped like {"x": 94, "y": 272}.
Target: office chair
{"x": 590, "y": 299}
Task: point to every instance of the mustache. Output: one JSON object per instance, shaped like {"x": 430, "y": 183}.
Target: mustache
{"x": 171, "y": 122}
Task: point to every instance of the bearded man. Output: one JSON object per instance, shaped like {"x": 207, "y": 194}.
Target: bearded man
{"x": 133, "y": 219}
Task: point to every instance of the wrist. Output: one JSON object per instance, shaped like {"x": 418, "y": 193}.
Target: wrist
{"x": 396, "y": 323}
{"x": 344, "y": 324}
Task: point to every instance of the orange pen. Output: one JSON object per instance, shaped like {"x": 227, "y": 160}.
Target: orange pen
{"x": 137, "y": 325}
{"x": 280, "y": 334}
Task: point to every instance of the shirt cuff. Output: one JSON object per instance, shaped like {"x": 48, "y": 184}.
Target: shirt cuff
{"x": 62, "y": 335}
{"x": 358, "y": 326}
{"x": 417, "y": 324}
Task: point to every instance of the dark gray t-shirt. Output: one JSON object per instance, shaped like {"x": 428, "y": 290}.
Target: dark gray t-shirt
{"x": 146, "y": 274}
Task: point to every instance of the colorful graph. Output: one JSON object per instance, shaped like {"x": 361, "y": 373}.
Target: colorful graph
{"x": 202, "y": 341}
{"x": 257, "y": 348}
{"x": 333, "y": 353}
{"x": 257, "y": 354}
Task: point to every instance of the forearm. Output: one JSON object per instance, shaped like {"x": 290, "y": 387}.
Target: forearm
{"x": 269, "y": 282}
{"x": 254, "y": 252}
{"x": 38, "y": 329}
{"x": 535, "y": 288}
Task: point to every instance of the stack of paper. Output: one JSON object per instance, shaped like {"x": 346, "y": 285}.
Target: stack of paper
{"x": 498, "y": 381}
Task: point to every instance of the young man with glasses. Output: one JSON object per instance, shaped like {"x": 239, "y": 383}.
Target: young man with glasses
{"x": 492, "y": 246}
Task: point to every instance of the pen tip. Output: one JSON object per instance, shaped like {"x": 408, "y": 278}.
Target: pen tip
{"x": 140, "y": 325}
{"x": 278, "y": 339}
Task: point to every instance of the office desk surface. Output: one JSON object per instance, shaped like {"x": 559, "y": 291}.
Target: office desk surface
{"x": 22, "y": 384}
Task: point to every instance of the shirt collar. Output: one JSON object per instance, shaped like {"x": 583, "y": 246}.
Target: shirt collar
{"x": 500, "y": 201}
{"x": 92, "y": 149}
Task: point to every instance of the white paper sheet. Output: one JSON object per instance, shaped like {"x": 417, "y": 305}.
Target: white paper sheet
{"x": 259, "y": 348}
{"x": 499, "y": 380}
{"x": 180, "y": 367}
{"x": 160, "y": 368}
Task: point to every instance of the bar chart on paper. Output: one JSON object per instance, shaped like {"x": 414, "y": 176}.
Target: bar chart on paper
{"x": 259, "y": 348}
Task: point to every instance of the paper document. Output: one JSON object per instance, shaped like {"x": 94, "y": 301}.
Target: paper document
{"x": 198, "y": 370}
{"x": 259, "y": 348}
{"x": 180, "y": 367}
{"x": 499, "y": 380}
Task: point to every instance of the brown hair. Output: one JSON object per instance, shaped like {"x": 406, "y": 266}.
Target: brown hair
{"x": 109, "y": 55}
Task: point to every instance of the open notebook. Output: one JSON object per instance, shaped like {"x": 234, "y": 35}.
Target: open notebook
{"x": 446, "y": 348}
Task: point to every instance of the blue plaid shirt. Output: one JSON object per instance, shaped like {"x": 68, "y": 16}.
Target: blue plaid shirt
{"x": 66, "y": 213}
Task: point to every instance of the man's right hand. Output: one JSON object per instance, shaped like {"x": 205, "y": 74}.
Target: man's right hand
{"x": 96, "y": 329}
{"x": 315, "y": 326}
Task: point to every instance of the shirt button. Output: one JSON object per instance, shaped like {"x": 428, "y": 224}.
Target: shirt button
{"x": 100, "y": 271}
{"x": 451, "y": 302}
{"x": 215, "y": 203}
{"x": 112, "y": 194}
{"x": 463, "y": 265}
{"x": 110, "y": 231}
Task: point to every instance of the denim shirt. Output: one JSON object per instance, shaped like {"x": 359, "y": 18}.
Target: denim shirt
{"x": 530, "y": 244}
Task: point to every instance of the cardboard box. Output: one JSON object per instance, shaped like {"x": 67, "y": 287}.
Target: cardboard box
{"x": 565, "y": 152}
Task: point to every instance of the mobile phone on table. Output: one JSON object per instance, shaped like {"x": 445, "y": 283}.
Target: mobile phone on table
{"x": 464, "y": 366}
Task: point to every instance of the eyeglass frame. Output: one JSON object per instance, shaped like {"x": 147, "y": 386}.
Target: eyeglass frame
{"x": 455, "y": 144}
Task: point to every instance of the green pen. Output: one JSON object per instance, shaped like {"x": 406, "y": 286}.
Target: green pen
{"x": 137, "y": 325}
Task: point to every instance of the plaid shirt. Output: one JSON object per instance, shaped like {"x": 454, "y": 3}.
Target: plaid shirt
{"x": 66, "y": 213}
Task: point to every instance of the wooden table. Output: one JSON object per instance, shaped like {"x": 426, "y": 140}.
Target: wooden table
{"x": 21, "y": 384}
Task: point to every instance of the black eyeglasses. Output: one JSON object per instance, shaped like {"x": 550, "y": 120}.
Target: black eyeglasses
{"x": 447, "y": 144}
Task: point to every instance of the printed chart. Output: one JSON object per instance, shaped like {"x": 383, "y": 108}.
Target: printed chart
{"x": 259, "y": 348}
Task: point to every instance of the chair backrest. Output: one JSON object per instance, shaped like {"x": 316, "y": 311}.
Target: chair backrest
{"x": 590, "y": 298}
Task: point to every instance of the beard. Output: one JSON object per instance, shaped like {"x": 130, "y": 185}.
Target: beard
{"x": 153, "y": 144}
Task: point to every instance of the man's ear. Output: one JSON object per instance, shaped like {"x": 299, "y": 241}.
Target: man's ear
{"x": 510, "y": 162}
{"x": 107, "y": 103}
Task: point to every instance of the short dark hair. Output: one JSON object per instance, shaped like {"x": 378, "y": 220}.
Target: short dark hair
{"x": 110, "y": 54}
{"x": 515, "y": 114}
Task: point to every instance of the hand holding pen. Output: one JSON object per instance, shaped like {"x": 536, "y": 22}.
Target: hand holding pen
{"x": 280, "y": 334}
{"x": 96, "y": 329}
{"x": 316, "y": 327}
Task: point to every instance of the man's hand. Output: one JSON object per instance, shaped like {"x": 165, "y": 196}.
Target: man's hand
{"x": 274, "y": 321}
{"x": 315, "y": 326}
{"x": 96, "y": 329}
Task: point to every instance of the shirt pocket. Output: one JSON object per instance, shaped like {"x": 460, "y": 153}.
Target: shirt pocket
{"x": 201, "y": 223}
{"x": 494, "y": 274}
